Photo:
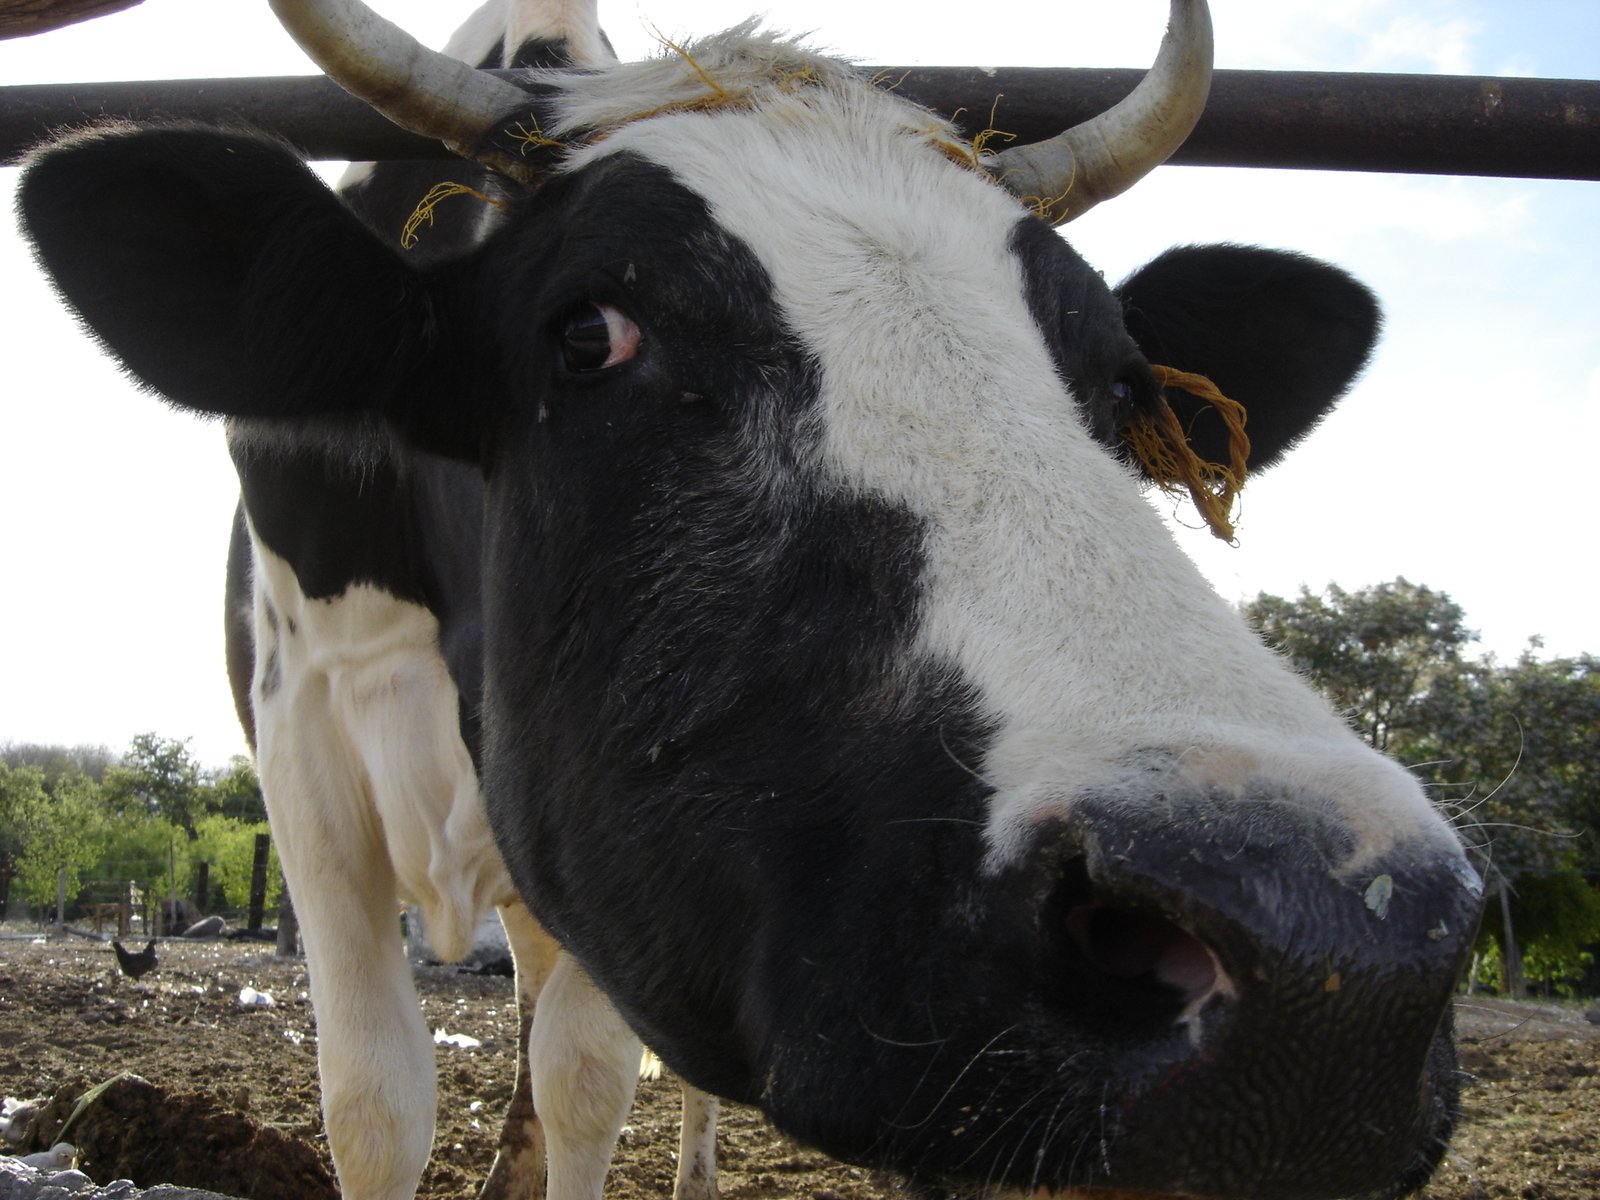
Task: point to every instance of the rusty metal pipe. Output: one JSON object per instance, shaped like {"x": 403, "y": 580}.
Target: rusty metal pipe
{"x": 1423, "y": 124}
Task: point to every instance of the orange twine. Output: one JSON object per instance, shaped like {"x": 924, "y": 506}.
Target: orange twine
{"x": 1162, "y": 447}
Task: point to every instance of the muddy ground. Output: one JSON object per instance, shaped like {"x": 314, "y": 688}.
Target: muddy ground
{"x": 226, "y": 1077}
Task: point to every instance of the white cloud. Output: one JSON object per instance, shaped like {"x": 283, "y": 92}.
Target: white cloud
{"x": 1443, "y": 46}
{"x": 1518, "y": 66}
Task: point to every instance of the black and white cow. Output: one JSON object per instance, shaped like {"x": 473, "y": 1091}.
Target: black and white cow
{"x": 845, "y": 711}
{"x": 355, "y": 651}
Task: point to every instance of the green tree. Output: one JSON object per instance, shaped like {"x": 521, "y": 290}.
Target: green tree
{"x": 1557, "y": 920}
{"x": 1374, "y": 652}
{"x": 1509, "y": 751}
{"x": 149, "y": 851}
{"x": 22, "y": 796}
{"x": 229, "y": 845}
{"x": 1517, "y": 748}
{"x": 157, "y": 777}
{"x": 59, "y": 761}
{"x": 50, "y": 834}
{"x": 235, "y": 792}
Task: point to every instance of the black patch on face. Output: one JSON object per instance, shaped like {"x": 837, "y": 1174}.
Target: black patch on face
{"x": 708, "y": 718}
{"x": 388, "y": 195}
{"x": 1082, "y": 325}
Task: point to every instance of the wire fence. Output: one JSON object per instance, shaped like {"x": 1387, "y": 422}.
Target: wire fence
{"x": 135, "y": 898}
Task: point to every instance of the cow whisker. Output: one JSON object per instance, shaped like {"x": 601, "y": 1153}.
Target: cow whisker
{"x": 1018, "y": 1111}
{"x": 1050, "y": 1130}
{"x": 889, "y": 1041}
{"x": 954, "y": 1083}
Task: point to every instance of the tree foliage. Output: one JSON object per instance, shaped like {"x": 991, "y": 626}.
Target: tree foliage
{"x": 1558, "y": 916}
{"x": 48, "y": 834}
{"x": 149, "y": 818}
{"x": 235, "y": 792}
{"x": 157, "y": 777}
{"x": 1512, "y": 752}
{"x": 1372, "y": 652}
{"x": 1517, "y": 746}
{"x": 59, "y": 761}
{"x": 229, "y": 845}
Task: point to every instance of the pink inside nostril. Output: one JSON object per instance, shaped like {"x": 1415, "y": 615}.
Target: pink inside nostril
{"x": 1135, "y": 946}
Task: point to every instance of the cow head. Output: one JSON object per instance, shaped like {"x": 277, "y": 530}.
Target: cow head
{"x": 849, "y": 713}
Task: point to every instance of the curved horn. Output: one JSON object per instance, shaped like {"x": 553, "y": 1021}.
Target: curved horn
{"x": 1067, "y": 175}
{"x": 419, "y": 89}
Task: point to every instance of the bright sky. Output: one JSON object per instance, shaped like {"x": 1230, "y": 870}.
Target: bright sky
{"x": 1451, "y": 462}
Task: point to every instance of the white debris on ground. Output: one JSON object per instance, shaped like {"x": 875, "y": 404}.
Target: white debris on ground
{"x": 19, "y": 1181}
{"x": 63, "y": 1156}
{"x": 15, "y": 1117}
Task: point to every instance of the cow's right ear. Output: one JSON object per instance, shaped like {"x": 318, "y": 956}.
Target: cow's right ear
{"x": 227, "y": 277}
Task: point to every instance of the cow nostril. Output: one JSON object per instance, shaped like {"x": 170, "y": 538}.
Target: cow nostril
{"x": 1121, "y": 963}
{"x": 1143, "y": 949}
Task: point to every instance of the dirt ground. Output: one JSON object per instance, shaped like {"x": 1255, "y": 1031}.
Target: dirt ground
{"x": 233, "y": 1090}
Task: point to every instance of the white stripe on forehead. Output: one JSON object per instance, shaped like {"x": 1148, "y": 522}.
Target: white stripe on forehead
{"x": 1050, "y": 584}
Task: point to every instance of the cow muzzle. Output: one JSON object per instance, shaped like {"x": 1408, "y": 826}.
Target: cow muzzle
{"x": 1268, "y": 1011}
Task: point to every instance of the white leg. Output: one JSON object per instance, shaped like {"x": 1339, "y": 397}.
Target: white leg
{"x": 585, "y": 1065}
{"x": 374, "y": 1052}
{"x": 519, "y": 1163}
{"x": 697, "y": 1147}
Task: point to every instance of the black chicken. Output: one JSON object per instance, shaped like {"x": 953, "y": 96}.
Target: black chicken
{"x": 135, "y": 965}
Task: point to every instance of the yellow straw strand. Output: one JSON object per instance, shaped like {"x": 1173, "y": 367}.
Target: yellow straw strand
{"x": 423, "y": 213}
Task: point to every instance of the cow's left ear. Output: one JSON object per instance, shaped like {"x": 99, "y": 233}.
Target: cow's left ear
{"x": 1283, "y": 334}
{"x": 227, "y": 277}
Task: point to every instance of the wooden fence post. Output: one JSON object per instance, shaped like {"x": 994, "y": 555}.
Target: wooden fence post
{"x": 288, "y": 926}
{"x": 258, "y": 881}
{"x": 169, "y": 914}
{"x": 1516, "y": 984}
{"x": 61, "y": 900}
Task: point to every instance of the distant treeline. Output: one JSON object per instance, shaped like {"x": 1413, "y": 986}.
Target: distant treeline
{"x": 149, "y": 817}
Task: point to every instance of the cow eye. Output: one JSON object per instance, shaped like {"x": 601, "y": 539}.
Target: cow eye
{"x": 595, "y": 336}
{"x": 1132, "y": 384}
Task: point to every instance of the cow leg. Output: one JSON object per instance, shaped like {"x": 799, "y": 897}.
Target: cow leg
{"x": 374, "y": 1053}
{"x": 585, "y": 1066}
{"x": 519, "y": 1166}
{"x": 697, "y": 1147}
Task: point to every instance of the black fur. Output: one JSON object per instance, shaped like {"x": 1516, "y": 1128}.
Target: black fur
{"x": 1283, "y": 334}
